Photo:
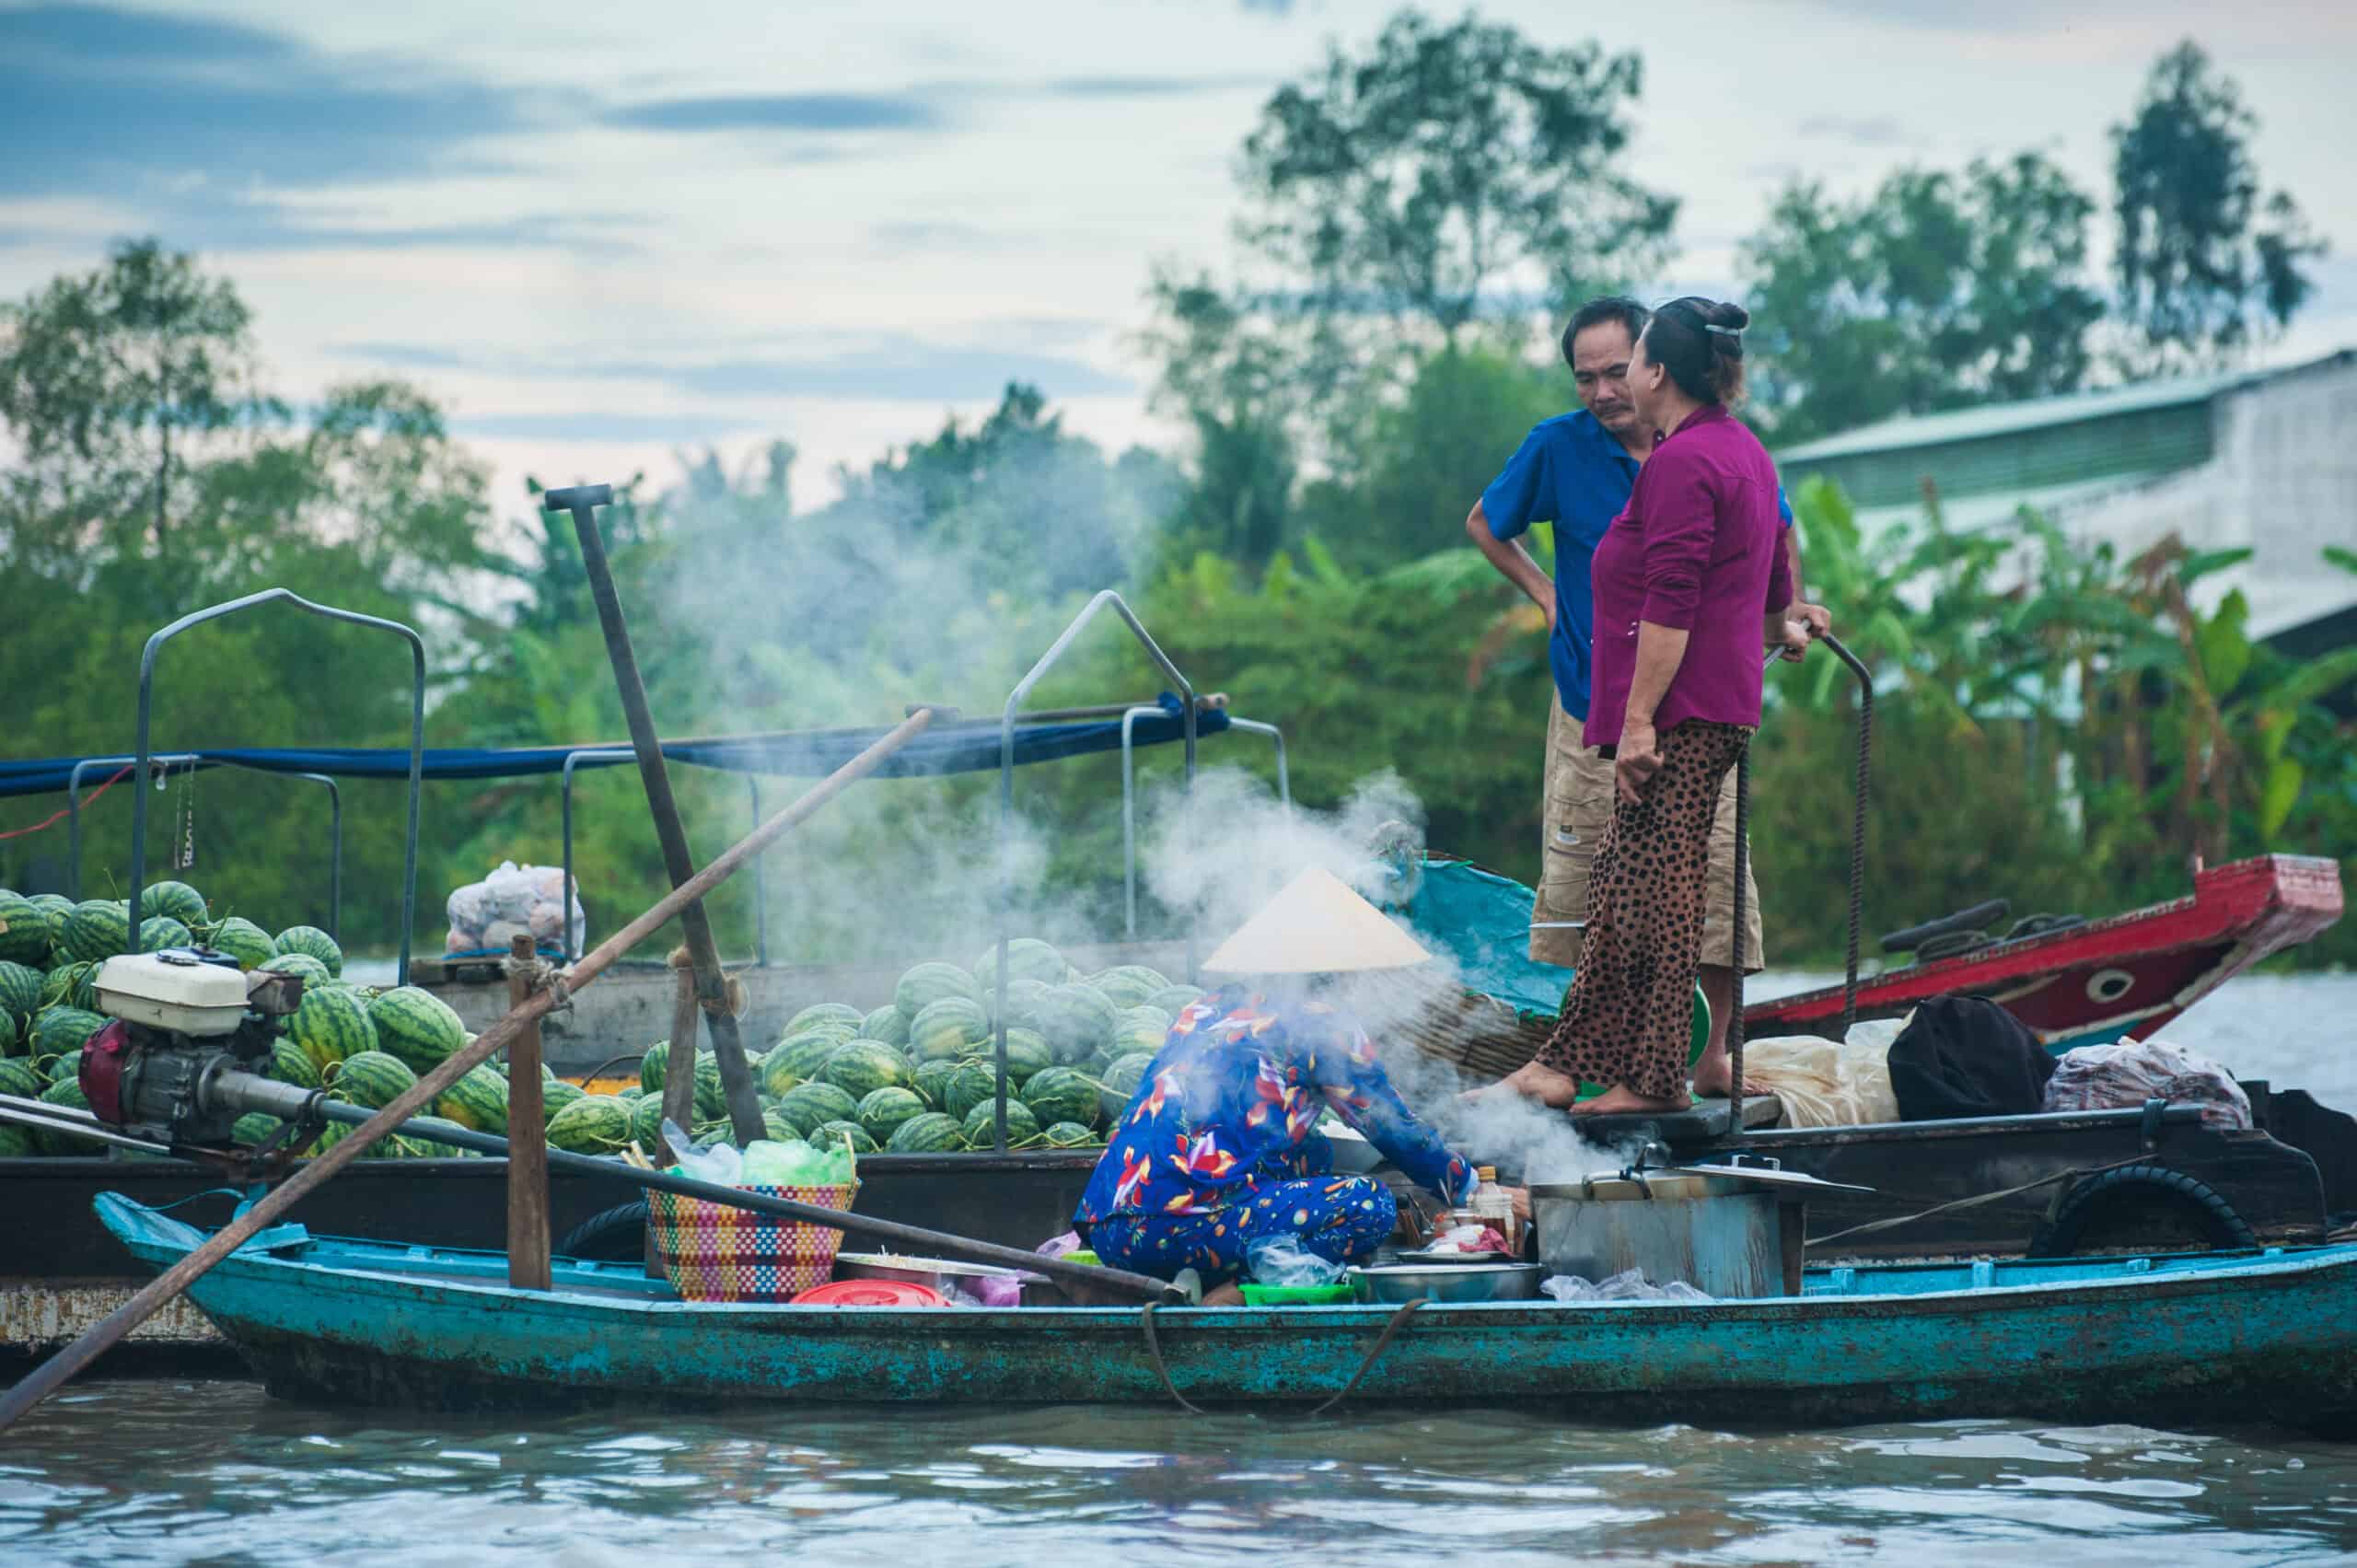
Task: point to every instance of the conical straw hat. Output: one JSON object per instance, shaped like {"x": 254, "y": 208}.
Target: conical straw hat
{"x": 1316, "y": 926}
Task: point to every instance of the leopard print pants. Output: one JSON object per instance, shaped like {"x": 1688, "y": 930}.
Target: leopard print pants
{"x": 1629, "y": 1013}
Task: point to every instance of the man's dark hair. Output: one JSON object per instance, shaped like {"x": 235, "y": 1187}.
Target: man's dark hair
{"x": 1612, "y": 308}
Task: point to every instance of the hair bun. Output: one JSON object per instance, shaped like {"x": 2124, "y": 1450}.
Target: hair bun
{"x": 1729, "y": 314}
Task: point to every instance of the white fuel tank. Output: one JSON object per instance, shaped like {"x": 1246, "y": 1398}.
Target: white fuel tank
{"x": 171, "y": 991}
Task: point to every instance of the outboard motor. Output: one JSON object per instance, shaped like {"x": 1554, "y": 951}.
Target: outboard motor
{"x": 183, "y": 1057}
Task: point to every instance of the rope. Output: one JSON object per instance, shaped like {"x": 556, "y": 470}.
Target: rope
{"x": 1154, "y": 1349}
{"x": 55, "y": 817}
{"x": 1975, "y": 1201}
{"x": 1398, "y": 1321}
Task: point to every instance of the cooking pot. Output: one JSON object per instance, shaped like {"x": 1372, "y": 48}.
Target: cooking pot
{"x": 1725, "y": 1235}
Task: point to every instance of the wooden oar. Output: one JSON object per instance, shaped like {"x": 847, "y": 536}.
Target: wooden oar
{"x": 51, "y": 1374}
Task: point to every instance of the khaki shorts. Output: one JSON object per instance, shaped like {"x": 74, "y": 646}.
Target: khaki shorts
{"x": 1575, "y": 805}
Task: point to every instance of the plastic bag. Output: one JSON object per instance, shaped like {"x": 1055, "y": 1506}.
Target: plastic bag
{"x": 515, "y": 900}
{"x": 1057, "y": 1246}
{"x": 1627, "y": 1286}
{"x": 720, "y": 1165}
{"x": 1284, "y": 1260}
{"x": 2122, "y": 1076}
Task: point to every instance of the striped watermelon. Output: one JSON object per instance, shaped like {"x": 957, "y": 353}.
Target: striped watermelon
{"x": 981, "y": 1127}
{"x": 947, "y": 1028}
{"x": 416, "y": 1026}
{"x": 479, "y": 1101}
{"x": 861, "y": 1066}
{"x": 646, "y": 1122}
{"x": 651, "y": 1066}
{"x": 252, "y": 1128}
{"x": 16, "y": 1143}
{"x": 72, "y": 985}
{"x": 99, "y": 928}
{"x": 1121, "y": 1081}
{"x": 796, "y": 1060}
{"x": 158, "y": 932}
{"x": 313, "y": 973}
{"x": 887, "y": 1024}
{"x": 1027, "y": 1052}
{"x": 712, "y": 1097}
{"x": 68, "y": 1093}
{"x": 24, "y": 930}
{"x": 930, "y": 1134}
{"x": 54, "y": 908}
{"x": 19, "y": 1077}
{"x": 778, "y": 1130}
{"x": 831, "y": 1134}
{"x": 1175, "y": 999}
{"x": 1059, "y": 1094}
{"x": 1140, "y": 1028}
{"x": 1076, "y": 1020}
{"x": 1127, "y": 985}
{"x": 332, "y": 1025}
{"x": 20, "y": 988}
{"x": 311, "y": 942}
{"x": 174, "y": 901}
{"x": 972, "y": 1084}
{"x": 371, "y": 1079}
{"x": 1070, "y": 1135}
{"x": 60, "y": 1030}
{"x": 558, "y": 1093}
{"x": 883, "y": 1111}
{"x": 594, "y": 1124}
{"x": 827, "y": 1015}
{"x": 805, "y": 1106}
{"x": 9, "y": 1029}
{"x": 1028, "y": 958}
{"x": 1022, "y": 1009}
{"x": 929, "y": 982}
{"x": 289, "y": 1063}
{"x": 932, "y": 1081}
{"x": 242, "y": 940}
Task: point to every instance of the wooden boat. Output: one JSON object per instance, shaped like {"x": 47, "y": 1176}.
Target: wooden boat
{"x": 2184, "y": 1339}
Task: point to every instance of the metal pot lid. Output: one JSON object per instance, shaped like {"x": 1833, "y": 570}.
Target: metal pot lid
{"x": 1764, "y": 1174}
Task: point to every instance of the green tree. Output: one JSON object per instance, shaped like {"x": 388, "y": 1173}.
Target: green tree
{"x": 1936, "y": 291}
{"x": 2207, "y": 265}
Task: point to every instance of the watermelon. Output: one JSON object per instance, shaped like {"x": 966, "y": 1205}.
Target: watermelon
{"x": 981, "y": 1127}
{"x": 99, "y": 928}
{"x": 174, "y": 901}
{"x": 313, "y": 943}
{"x": 1076, "y": 1020}
{"x": 158, "y": 932}
{"x": 887, "y": 1024}
{"x": 19, "y": 1077}
{"x": 806, "y": 1105}
{"x": 1022, "y": 1009}
{"x": 796, "y": 1060}
{"x": 929, "y": 982}
{"x": 8, "y": 1033}
{"x": 973, "y": 1085}
{"x": 594, "y": 1124}
{"x": 290, "y": 1064}
{"x": 65, "y": 1092}
{"x": 244, "y": 941}
{"x": 1027, "y": 1052}
{"x": 1070, "y": 1135}
{"x": 555, "y": 1095}
{"x": 883, "y": 1111}
{"x": 831, "y": 1135}
{"x": 479, "y": 1101}
{"x": 778, "y": 1130}
{"x": 947, "y": 1028}
{"x": 20, "y": 988}
{"x": 370, "y": 1079}
{"x": 1128, "y": 984}
{"x": 861, "y": 1066}
{"x": 651, "y": 1066}
{"x": 933, "y": 1082}
{"x": 72, "y": 985}
{"x": 24, "y": 930}
{"x": 60, "y": 1030}
{"x": 252, "y": 1128}
{"x": 646, "y": 1122}
{"x": 1121, "y": 1081}
{"x": 313, "y": 973}
{"x": 416, "y": 1026}
{"x": 1059, "y": 1094}
{"x": 633, "y": 1093}
{"x": 1028, "y": 958}
{"x": 1175, "y": 999}
{"x": 54, "y": 908}
{"x": 929, "y": 1134}
{"x": 1140, "y": 1028}
{"x": 16, "y": 1143}
{"x": 712, "y": 1097}
{"x": 827, "y": 1015}
{"x": 332, "y": 1025}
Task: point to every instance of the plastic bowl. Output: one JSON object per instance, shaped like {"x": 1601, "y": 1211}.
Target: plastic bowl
{"x": 1298, "y": 1296}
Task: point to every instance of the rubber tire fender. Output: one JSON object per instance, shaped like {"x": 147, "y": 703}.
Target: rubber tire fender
{"x": 2058, "y": 1233}
{"x": 614, "y": 1236}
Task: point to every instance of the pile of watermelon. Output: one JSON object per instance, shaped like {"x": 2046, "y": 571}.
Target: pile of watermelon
{"x": 918, "y": 1074}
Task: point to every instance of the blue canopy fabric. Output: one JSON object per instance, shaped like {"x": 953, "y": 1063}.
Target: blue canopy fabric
{"x": 1482, "y": 921}
{"x": 969, "y": 746}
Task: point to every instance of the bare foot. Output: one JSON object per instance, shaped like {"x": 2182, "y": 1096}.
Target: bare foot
{"x": 1621, "y": 1100}
{"x": 1711, "y": 1073}
{"x": 1531, "y": 1081}
{"x": 1222, "y": 1295}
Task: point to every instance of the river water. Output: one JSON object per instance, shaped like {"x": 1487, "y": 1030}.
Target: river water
{"x": 158, "y": 1471}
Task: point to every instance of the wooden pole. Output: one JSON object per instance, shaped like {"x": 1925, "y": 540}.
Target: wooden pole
{"x": 679, "y": 1058}
{"x": 528, "y": 1157}
{"x": 52, "y": 1374}
{"x": 712, "y": 986}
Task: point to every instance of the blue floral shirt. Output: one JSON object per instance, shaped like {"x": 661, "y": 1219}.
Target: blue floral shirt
{"x": 1233, "y": 1101}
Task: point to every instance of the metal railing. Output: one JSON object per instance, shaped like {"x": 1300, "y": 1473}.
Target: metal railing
{"x": 1129, "y": 797}
{"x": 615, "y": 754}
{"x": 188, "y": 762}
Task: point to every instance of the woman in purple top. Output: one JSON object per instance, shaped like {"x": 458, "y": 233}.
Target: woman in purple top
{"x": 1686, "y": 580}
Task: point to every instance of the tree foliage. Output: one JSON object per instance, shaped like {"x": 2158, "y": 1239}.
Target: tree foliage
{"x": 2207, "y": 264}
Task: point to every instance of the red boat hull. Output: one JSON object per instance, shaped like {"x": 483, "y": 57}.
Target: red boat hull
{"x": 2128, "y": 974}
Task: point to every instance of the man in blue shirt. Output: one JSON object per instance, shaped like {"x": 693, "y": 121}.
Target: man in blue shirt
{"x": 1575, "y": 470}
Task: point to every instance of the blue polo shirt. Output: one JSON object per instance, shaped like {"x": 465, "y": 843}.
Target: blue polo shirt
{"x": 1572, "y": 473}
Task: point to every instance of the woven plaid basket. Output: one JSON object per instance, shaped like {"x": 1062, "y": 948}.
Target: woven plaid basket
{"x": 712, "y": 1252}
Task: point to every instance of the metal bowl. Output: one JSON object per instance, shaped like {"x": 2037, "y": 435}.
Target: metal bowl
{"x": 1448, "y": 1283}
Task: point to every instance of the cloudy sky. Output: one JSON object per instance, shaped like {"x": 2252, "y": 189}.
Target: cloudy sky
{"x": 599, "y": 231}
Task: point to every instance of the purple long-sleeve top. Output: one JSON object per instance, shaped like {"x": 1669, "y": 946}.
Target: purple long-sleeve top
{"x": 1697, "y": 548}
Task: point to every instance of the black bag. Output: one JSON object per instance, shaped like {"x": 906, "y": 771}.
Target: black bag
{"x": 1967, "y": 1056}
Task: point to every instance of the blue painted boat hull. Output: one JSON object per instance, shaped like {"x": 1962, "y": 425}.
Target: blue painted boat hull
{"x": 2187, "y": 1340}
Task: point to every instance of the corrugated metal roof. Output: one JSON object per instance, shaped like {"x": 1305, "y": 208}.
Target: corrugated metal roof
{"x": 2005, "y": 419}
